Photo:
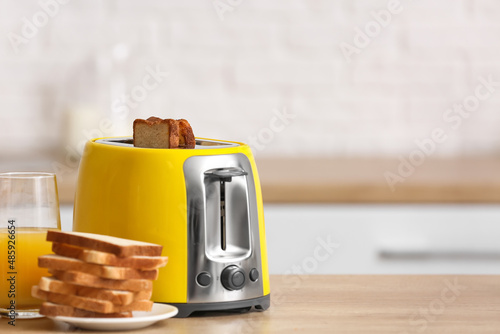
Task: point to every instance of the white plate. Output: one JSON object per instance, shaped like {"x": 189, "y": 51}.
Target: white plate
{"x": 138, "y": 320}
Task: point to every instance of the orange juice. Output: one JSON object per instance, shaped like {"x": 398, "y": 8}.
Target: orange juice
{"x": 30, "y": 243}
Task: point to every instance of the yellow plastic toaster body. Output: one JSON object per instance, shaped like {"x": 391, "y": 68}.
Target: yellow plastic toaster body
{"x": 204, "y": 205}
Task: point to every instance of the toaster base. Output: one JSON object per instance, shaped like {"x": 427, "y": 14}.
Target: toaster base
{"x": 259, "y": 304}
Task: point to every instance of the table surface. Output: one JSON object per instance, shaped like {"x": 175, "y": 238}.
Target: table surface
{"x": 328, "y": 180}
{"x": 344, "y": 304}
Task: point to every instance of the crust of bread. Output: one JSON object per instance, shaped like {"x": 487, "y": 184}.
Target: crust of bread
{"x": 58, "y": 262}
{"x": 118, "y": 297}
{"x": 90, "y": 304}
{"x": 97, "y": 257}
{"x": 118, "y": 246}
{"x": 83, "y": 303}
{"x": 186, "y": 135}
{"x": 172, "y": 126}
{"x": 93, "y": 281}
{"x": 56, "y": 286}
{"x": 55, "y": 310}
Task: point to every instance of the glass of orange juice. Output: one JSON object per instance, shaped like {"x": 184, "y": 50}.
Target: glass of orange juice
{"x": 29, "y": 206}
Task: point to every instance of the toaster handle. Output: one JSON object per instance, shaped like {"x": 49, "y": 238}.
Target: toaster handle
{"x": 226, "y": 174}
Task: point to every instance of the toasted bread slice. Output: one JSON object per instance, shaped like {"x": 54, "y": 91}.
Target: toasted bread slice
{"x": 117, "y": 297}
{"x": 186, "y": 135}
{"x": 93, "y": 281}
{"x": 118, "y": 246}
{"x": 97, "y": 257}
{"x": 90, "y": 304}
{"x": 155, "y": 132}
{"x": 55, "y": 310}
{"x": 58, "y": 262}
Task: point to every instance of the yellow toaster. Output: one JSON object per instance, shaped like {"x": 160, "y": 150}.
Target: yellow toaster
{"x": 204, "y": 205}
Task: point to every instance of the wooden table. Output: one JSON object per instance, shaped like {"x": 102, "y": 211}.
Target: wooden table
{"x": 328, "y": 180}
{"x": 345, "y": 304}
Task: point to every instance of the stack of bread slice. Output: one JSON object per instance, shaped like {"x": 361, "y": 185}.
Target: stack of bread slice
{"x": 97, "y": 276}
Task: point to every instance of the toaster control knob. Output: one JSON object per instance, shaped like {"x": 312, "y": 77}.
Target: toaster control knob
{"x": 254, "y": 275}
{"x": 233, "y": 278}
{"x": 204, "y": 279}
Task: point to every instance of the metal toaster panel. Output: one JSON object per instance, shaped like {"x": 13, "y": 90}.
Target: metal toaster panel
{"x": 207, "y": 253}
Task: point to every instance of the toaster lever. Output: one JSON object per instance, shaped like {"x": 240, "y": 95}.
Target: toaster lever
{"x": 226, "y": 174}
{"x": 223, "y": 214}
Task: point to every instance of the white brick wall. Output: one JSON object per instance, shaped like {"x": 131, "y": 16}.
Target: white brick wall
{"x": 229, "y": 76}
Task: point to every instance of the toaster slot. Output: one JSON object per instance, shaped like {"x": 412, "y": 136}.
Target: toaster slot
{"x": 227, "y": 220}
{"x": 200, "y": 143}
{"x": 223, "y": 214}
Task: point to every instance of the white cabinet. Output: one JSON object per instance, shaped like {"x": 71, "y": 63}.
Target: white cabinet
{"x": 383, "y": 239}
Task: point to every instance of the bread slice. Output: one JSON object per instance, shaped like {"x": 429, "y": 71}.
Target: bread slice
{"x": 90, "y": 304}
{"x": 55, "y": 310}
{"x": 118, "y": 297}
{"x": 93, "y": 281}
{"x": 186, "y": 135}
{"x": 58, "y": 262}
{"x": 118, "y": 246}
{"x": 155, "y": 132}
{"x": 97, "y": 257}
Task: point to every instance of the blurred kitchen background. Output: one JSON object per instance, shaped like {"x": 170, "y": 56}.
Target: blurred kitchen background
{"x": 375, "y": 124}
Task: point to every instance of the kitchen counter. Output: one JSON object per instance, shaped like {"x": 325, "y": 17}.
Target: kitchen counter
{"x": 354, "y": 304}
{"x": 327, "y": 180}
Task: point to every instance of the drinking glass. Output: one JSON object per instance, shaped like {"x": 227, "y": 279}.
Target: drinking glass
{"x": 29, "y": 206}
